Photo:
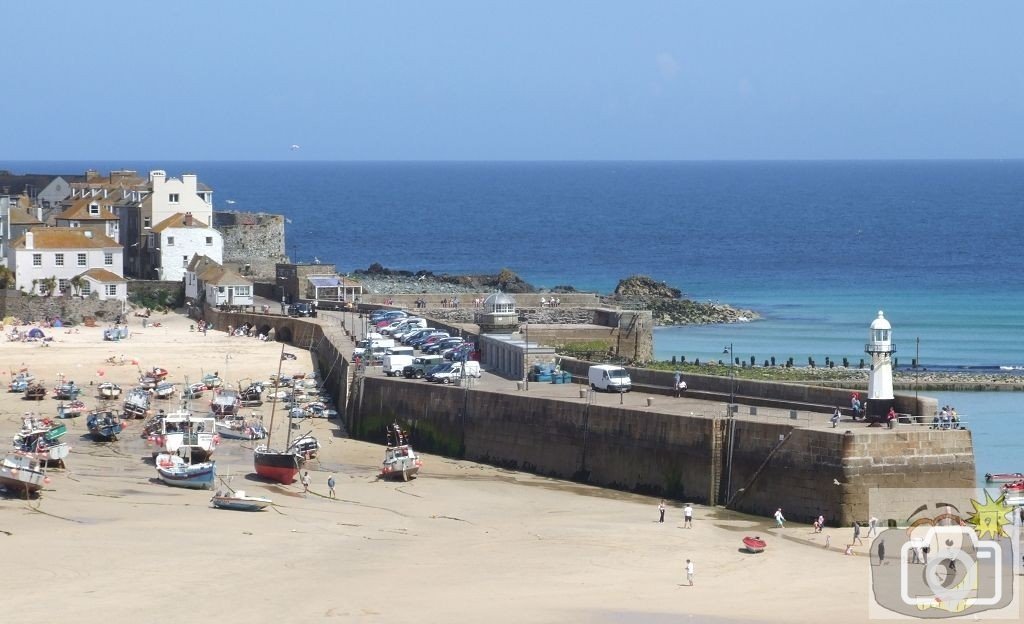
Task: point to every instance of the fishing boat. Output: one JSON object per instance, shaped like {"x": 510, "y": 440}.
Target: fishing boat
{"x": 22, "y": 473}
{"x": 109, "y": 391}
{"x": 104, "y": 425}
{"x": 182, "y": 433}
{"x": 35, "y": 392}
{"x": 174, "y": 470}
{"x": 1016, "y": 487}
{"x": 238, "y": 501}
{"x": 163, "y": 390}
{"x": 1003, "y": 477}
{"x": 194, "y": 391}
{"x": 74, "y": 409}
{"x": 66, "y": 391}
{"x": 251, "y": 395}
{"x": 225, "y": 402}
{"x": 136, "y": 403}
{"x": 754, "y": 544}
{"x": 237, "y": 427}
{"x": 41, "y": 438}
{"x": 21, "y": 382}
{"x": 279, "y": 466}
{"x": 212, "y": 380}
{"x": 400, "y": 460}
{"x": 159, "y": 373}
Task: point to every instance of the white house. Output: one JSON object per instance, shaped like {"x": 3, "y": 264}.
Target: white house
{"x": 206, "y": 280}
{"x": 179, "y": 237}
{"x": 66, "y": 254}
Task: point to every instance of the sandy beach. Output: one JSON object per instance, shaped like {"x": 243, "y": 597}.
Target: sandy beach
{"x": 462, "y": 542}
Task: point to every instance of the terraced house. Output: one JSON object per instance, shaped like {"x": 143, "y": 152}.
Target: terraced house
{"x": 66, "y": 261}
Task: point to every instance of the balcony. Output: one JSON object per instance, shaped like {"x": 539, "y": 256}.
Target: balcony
{"x": 877, "y": 348}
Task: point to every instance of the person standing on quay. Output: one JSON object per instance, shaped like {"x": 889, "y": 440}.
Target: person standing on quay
{"x": 305, "y": 482}
{"x": 689, "y": 572}
{"x": 675, "y": 384}
{"x": 688, "y": 516}
{"x": 856, "y": 534}
{"x": 661, "y": 511}
{"x": 872, "y": 526}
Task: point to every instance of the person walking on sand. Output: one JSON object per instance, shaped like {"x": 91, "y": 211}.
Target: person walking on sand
{"x": 688, "y": 516}
{"x": 661, "y": 511}
{"x": 305, "y": 482}
{"x": 856, "y": 534}
{"x": 330, "y": 486}
{"x": 689, "y": 572}
{"x": 780, "y": 520}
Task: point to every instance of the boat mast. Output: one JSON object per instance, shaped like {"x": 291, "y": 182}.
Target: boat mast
{"x": 277, "y": 384}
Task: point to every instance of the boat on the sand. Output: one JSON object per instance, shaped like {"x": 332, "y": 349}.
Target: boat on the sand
{"x": 239, "y": 501}
{"x": 400, "y": 460}
{"x": 754, "y": 544}
{"x": 104, "y": 425}
{"x": 22, "y": 473}
{"x": 174, "y": 470}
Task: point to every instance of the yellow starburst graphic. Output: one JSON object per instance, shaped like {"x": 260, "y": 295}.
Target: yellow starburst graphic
{"x": 990, "y": 518}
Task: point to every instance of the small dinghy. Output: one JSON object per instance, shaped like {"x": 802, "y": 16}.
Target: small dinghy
{"x": 238, "y": 501}
{"x": 754, "y": 544}
{"x": 1003, "y": 477}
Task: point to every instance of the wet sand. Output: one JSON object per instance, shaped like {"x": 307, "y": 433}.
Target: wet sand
{"x": 461, "y": 542}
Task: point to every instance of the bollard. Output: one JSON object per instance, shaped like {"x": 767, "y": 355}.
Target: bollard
{"x": 650, "y": 401}
{"x": 583, "y": 392}
{"x": 519, "y": 385}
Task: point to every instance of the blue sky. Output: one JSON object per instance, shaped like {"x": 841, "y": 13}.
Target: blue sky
{"x": 480, "y": 80}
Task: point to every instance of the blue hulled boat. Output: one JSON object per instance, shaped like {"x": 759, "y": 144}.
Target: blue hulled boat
{"x": 173, "y": 470}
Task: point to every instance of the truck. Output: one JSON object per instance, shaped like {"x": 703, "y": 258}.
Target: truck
{"x": 394, "y": 364}
{"x": 420, "y": 365}
{"x": 453, "y": 370}
{"x": 609, "y": 378}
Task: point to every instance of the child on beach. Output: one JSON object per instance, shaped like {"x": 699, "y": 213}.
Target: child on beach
{"x": 330, "y": 486}
{"x": 305, "y": 482}
{"x": 780, "y": 520}
{"x": 661, "y": 511}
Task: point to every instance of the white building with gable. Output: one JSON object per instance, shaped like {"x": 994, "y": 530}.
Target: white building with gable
{"x": 70, "y": 260}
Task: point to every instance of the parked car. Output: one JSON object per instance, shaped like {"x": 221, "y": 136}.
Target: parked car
{"x": 429, "y": 340}
{"x": 433, "y": 336}
{"x": 303, "y": 308}
{"x": 466, "y": 350}
{"x": 441, "y": 345}
{"x": 420, "y": 366}
{"x": 453, "y": 370}
{"x": 416, "y": 333}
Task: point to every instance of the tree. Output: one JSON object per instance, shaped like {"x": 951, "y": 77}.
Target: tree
{"x": 76, "y": 284}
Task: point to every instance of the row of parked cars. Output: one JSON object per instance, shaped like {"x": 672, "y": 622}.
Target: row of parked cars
{"x": 443, "y": 357}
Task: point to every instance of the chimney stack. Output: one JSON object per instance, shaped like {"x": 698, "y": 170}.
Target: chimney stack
{"x": 30, "y": 240}
{"x": 188, "y": 219}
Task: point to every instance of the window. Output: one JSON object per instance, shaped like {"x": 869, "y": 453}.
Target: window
{"x": 94, "y": 209}
{"x": 209, "y": 240}
{"x": 172, "y": 198}
{"x": 58, "y": 259}
{"x": 62, "y": 286}
{"x": 170, "y": 241}
{"x": 110, "y": 289}
{"x": 108, "y": 258}
{"x": 37, "y": 259}
{"x": 86, "y": 288}
{"x": 184, "y": 261}
{"x": 241, "y": 291}
{"x": 147, "y": 221}
{"x": 81, "y": 259}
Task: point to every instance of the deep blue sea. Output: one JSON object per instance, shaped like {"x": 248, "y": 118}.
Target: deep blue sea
{"x": 817, "y": 248}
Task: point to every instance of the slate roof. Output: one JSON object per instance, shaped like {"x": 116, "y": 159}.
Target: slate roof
{"x": 79, "y": 210}
{"x": 17, "y": 184}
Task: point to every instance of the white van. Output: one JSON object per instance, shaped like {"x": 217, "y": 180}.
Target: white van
{"x": 453, "y": 371}
{"x": 400, "y": 350}
{"x": 374, "y": 344}
{"x": 393, "y": 364}
{"x": 609, "y": 378}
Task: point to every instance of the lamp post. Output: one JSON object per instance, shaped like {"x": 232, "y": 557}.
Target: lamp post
{"x": 732, "y": 376}
{"x": 526, "y": 357}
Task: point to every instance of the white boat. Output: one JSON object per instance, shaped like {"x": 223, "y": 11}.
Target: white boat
{"x": 173, "y": 470}
{"x": 400, "y": 460}
{"x": 238, "y": 501}
{"x": 225, "y": 402}
{"x": 240, "y": 428}
{"x": 164, "y": 390}
{"x": 109, "y": 391}
{"x": 182, "y": 433}
{"x": 22, "y": 473}
{"x": 136, "y": 403}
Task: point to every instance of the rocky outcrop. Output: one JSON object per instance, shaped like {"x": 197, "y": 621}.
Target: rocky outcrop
{"x": 668, "y": 308}
{"x": 383, "y": 281}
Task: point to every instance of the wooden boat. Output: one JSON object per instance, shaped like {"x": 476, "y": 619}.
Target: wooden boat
{"x": 754, "y": 544}
{"x": 74, "y": 409}
{"x": 225, "y": 402}
{"x": 279, "y": 466}
{"x": 136, "y": 403}
{"x": 163, "y": 390}
{"x": 66, "y": 391}
{"x": 158, "y": 373}
{"x": 22, "y": 473}
{"x": 104, "y": 425}
{"x": 238, "y": 501}
{"x": 42, "y": 440}
{"x": 1003, "y": 477}
{"x": 239, "y": 428}
{"x": 109, "y": 391}
{"x": 400, "y": 460}
{"x": 35, "y": 392}
{"x": 175, "y": 471}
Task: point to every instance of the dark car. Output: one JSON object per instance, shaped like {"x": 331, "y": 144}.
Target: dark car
{"x": 443, "y": 344}
{"x": 302, "y": 309}
{"x": 434, "y": 337}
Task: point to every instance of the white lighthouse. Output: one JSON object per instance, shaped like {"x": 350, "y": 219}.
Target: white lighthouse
{"x": 880, "y": 348}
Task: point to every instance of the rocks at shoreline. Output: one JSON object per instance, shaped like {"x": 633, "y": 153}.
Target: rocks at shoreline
{"x": 638, "y": 291}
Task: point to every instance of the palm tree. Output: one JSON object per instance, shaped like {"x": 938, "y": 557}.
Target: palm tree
{"x": 76, "y": 284}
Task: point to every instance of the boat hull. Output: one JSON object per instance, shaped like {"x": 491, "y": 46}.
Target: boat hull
{"x": 196, "y": 476}
{"x": 1004, "y": 477}
{"x": 21, "y": 473}
{"x": 234, "y": 503}
{"x": 276, "y": 466}
{"x": 753, "y": 544}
